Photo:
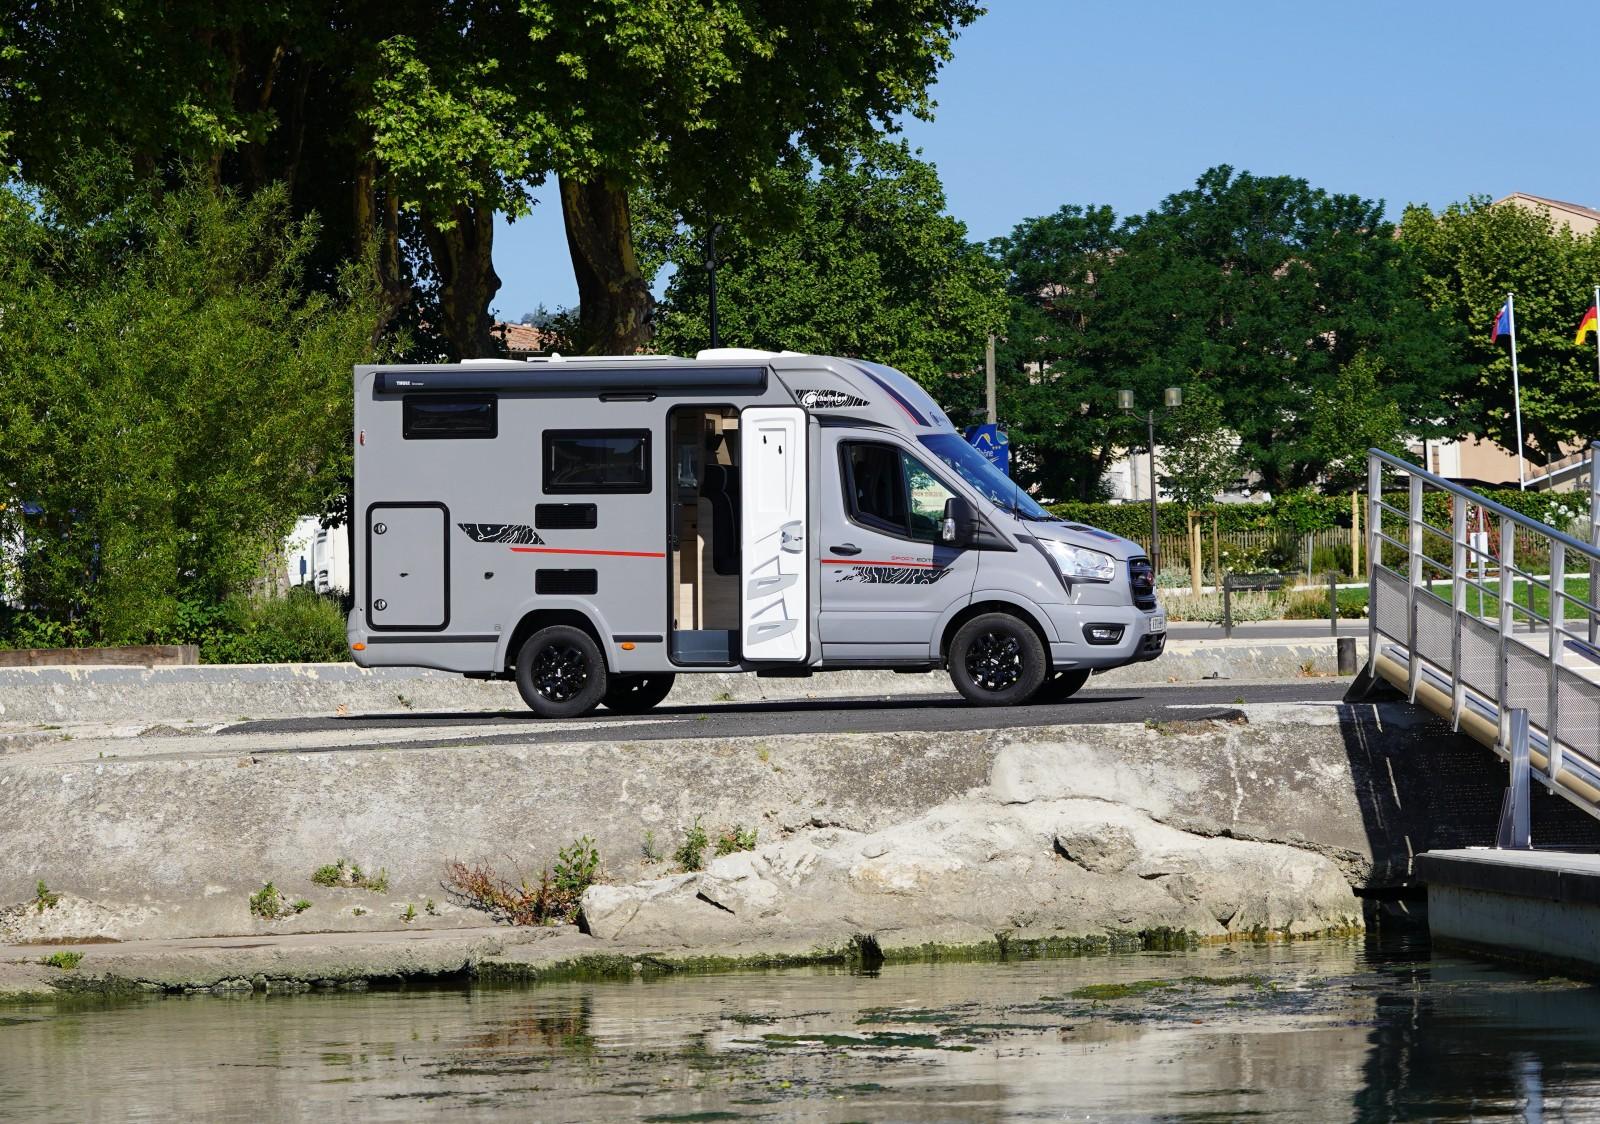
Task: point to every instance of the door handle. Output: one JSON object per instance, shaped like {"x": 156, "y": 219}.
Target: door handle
{"x": 845, "y": 548}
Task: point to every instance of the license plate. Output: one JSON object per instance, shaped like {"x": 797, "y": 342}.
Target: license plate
{"x": 1158, "y": 623}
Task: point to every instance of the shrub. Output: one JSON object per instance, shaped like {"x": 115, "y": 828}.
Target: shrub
{"x": 736, "y": 838}
{"x": 66, "y": 961}
{"x": 691, "y": 855}
{"x": 349, "y": 874}
{"x": 553, "y": 898}
{"x": 303, "y": 627}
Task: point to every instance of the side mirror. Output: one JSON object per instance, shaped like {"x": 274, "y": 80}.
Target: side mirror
{"x": 958, "y": 522}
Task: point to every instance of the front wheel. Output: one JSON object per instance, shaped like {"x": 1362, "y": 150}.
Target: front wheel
{"x": 1062, "y": 685}
{"x": 560, "y": 672}
{"x": 635, "y": 694}
{"x": 997, "y": 660}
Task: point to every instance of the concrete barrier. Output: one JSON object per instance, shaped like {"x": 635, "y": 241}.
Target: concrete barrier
{"x": 229, "y": 693}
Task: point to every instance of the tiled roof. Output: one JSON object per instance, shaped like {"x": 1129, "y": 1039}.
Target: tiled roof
{"x": 1557, "y": 204}
{"x": 522, "y": 339}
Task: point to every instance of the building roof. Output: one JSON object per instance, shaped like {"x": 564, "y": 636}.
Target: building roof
{"x": 522, "y": 340}
{"x": 1587, "y": 218}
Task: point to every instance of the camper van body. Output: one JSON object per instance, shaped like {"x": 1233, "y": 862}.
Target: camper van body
{"x": 777, "y": 513}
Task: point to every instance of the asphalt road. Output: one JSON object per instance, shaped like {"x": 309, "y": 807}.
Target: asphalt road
{"x": 943, "y": 712}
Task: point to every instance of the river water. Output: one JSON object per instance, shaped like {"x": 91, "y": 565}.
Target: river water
{"x": 1324, "y": 1030}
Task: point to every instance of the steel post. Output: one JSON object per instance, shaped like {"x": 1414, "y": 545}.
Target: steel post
{"x": 1514, "y": 833}
{"x": 1558, "y": 648}
{"x": 1414, "y": 577}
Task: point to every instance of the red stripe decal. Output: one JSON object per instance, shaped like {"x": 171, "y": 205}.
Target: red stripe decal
{"x": 866, "y": 562}
{"x": 601, "y": 553}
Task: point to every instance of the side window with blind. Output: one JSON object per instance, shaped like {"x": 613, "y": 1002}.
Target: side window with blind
{"x": 585, "y": 461}
{"x": 431, "y": 417}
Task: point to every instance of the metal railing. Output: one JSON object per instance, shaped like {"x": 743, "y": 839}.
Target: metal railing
{"x": 1477, "y": 658}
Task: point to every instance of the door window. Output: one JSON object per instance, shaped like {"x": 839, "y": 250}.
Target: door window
{"x": 889, "y": 490}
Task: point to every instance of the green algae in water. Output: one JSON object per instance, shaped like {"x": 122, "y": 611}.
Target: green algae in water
{"x": 878, "y": 1041}
{"x": 1132, "y": 989}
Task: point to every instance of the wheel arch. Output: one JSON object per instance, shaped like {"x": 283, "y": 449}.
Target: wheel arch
{"x": 990, "y": 605}
{"x": 536, "y": 619}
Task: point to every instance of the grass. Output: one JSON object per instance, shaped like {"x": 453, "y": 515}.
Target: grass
{"x": 736, "y": 838}
{"x": 1311, "y": 602}
{"x": 269, "y": 904}
{"x": 350, "y": 875}
{"x": 66, "y": 961}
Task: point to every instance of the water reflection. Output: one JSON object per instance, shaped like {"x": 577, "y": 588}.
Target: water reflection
{"x": 1317, "y": 1031}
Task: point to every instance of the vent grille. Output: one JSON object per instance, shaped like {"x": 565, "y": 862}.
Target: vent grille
{"x": 566, "y": 582}
{"x": 565, "y": 516}
{"x": 1142, "y": 582}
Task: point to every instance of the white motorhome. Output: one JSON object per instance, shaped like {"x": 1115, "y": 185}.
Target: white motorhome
{"x": 594, "y": 527}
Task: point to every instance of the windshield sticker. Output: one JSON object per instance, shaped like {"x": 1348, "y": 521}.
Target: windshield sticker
{"x": 821, "y": 399}
{"x": 501, "y": 532}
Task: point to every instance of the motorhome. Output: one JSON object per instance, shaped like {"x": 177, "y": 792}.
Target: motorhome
{"x": 592, "y": 528}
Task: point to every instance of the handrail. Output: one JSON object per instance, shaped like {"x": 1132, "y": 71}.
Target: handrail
{"x": 1484, "y": 502}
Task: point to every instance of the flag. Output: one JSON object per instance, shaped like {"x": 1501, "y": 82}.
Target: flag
{"x": 1587, "y": 324}
{"x": 1502, "y": 323}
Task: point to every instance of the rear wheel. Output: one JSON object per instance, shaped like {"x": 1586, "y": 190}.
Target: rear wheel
{"x": 1062, "y": 685}
{"x": 561, "y": 672}
{"x": 997, "y": 660}
{"x": 635, "y": 694}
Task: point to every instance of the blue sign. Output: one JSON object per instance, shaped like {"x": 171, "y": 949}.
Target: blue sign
{"x": 990, "y": 440}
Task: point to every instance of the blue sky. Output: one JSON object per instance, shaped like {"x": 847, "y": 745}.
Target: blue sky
{"x": 1061, "y": 102}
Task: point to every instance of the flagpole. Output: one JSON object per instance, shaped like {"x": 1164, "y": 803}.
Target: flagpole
{"x": 1516, "y": 389}
{"x": 1597, "y": 332}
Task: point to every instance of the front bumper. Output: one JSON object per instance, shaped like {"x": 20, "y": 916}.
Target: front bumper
{"x": 1143, "y": 637}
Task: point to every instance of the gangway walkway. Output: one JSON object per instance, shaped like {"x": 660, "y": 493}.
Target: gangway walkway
{"x": 1486, "y": 649}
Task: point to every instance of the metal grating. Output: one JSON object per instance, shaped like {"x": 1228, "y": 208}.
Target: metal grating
{"x": 1435, "y": 632}
{"x": 1480, "y": 656}
{"x": 1528, "y": 682}
{"x": 1389, "y": 610}
{"x": 1579, "y": 701}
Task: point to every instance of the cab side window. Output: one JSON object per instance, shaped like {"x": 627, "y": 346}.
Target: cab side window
{"x": 889, "y": 490}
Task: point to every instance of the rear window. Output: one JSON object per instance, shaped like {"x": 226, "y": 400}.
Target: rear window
{"x": 589, "y": 461}
{"x": 452, "y": 416}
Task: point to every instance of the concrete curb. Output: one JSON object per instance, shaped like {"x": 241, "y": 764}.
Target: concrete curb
{"x": 33, "y": 696}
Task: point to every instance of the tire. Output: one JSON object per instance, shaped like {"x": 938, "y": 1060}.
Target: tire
{"x": 997, "y": 660}
{"x": 1062, "y": 685}
{"x": 561, "y": 672}
{"x": 635, "y": 694}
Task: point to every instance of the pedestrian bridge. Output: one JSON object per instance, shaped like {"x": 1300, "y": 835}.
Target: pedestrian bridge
{"x": 1489, "y": 618}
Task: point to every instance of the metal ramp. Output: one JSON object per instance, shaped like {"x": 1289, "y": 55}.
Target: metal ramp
{"x": 1477, "y": 618}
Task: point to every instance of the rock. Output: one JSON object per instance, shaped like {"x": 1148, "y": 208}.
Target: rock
{"x": 1103, "y": 848}
{"x": 607, "y": 910}
{"x": 736, "y": 883}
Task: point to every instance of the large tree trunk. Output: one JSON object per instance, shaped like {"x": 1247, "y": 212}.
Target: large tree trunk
{"x": 463, "y": 256}
{"x": 614, "y": 301}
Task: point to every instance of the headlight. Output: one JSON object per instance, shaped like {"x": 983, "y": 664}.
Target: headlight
{"x": 1079, "y": 564}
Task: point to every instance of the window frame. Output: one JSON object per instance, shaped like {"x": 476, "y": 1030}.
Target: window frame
{"x": 407, "y": 401}
{"x": 641, "y": 488}
{"x": 847, "y": 481}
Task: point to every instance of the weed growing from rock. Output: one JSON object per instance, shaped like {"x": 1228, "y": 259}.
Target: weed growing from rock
{"x": 410, "y": 914}
{"x": 43, "y": 899}
{"x": 430, "y": 908}
{"x": 66, "y": 961}
{"x": 691, "y": 855}
{"x": 269, "y": 904}
{"x": 736, "y": 838}
{"x": 650, "y": 848}
{"x": 552, "y": 899}
{"x": 348, "y": 874}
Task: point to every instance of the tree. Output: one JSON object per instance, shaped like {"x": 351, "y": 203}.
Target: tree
{"x": 1347, "y": 417}
{"x": 1468, "y": 257}
{"x": 871, "y": 265}
{"x": 1199, "y": 455}
{"x": 171, "y": 399}
{"x": 411, "y": 122}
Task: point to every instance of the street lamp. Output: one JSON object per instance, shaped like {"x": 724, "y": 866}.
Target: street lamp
{"x": 1171, "y": 400}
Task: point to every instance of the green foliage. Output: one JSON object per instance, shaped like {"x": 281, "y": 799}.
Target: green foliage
{"x": 871, "y": 265}
{"x": 269, "y": 904}
{"x": 1348, "y": 415}
{"x": 1467, "y": 258}
{"x": 1259, "y": 288}
{"x": 349, "y": 874}
{"x": 577, "y": 867}
{"x": 43, "y": 899}
{"x": 1198, "y": 459}
{"x": 300, "y": 627}
{"x": 650, "y": 849}
{"x": 409, "y": 914}
{"x": 171, "y": 399}
{"x": 691, "y": 854}
{"x": 66, "y": 961}
{"x": 736, "y": 838}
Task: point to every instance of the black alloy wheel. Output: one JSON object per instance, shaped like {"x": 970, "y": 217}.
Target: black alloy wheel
{"x": 561, "y": 673}
{"x": 635, "y": 694}
{"x": 997, "y": 660}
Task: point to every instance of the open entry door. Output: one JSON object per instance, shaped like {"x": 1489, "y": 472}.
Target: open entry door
{"x": 774, "y": 594}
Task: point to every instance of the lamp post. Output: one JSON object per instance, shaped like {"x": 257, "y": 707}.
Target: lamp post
{"x": 1171, "y": 400}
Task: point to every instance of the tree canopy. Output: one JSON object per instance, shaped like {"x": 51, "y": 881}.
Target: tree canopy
{"x": 870, "y": 264}
{"x": 1467, "y": 258}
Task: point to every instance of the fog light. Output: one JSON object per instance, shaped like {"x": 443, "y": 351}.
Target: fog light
{"x": 1102, "y": 633}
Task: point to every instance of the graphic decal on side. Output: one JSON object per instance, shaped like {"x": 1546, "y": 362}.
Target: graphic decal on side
{"x": 501, "y": 532}
{"x": 898, "y": 572}
{"x": 824, "y": 399}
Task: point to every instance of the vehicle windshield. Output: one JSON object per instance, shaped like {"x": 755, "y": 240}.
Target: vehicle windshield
{"x": 975, "y": 469}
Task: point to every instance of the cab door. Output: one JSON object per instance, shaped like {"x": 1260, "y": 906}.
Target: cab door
{"x": 886, "y": 577}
